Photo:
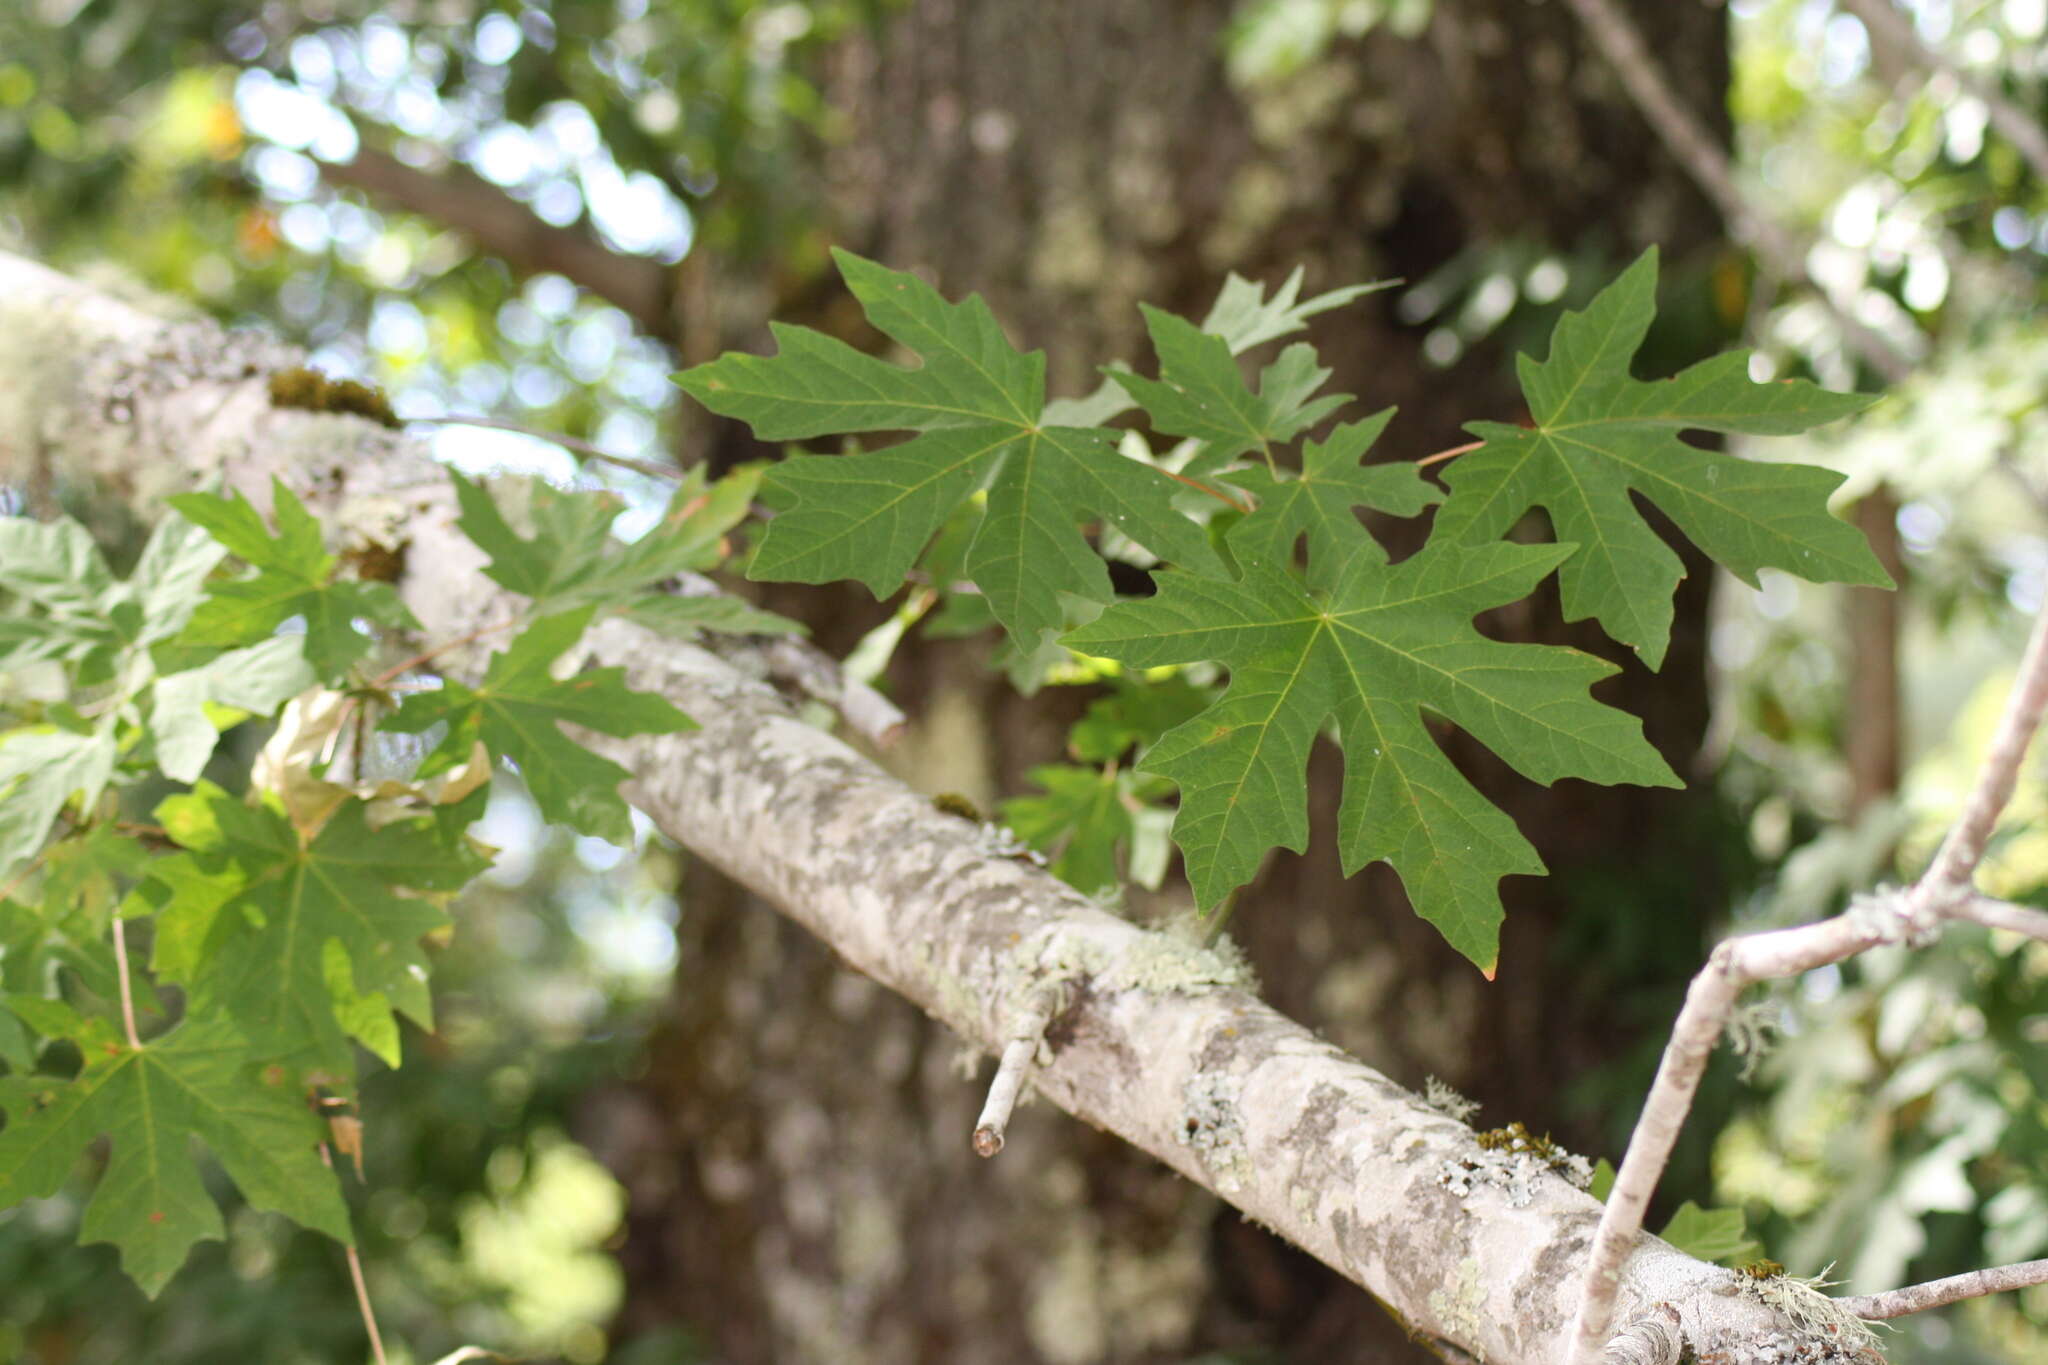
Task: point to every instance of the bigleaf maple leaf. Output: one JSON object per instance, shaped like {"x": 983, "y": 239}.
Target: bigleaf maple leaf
{"x": 517, "y": 711}
{"x": 294, "y": 577}
{"x": 195, "y": 1081}
{"x": 1599, "y": 433}
{"x": 1201, "y": 393}
{"x": 975, "y": 405}
{"x": 1317, "y": 503}
{"x": 245, "y": 914}
{"x": 1382, "y": 645}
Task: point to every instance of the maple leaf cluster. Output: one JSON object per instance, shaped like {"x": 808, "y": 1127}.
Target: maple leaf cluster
{"x": 295, "y": 923}
{"x": 1263, "y": 566}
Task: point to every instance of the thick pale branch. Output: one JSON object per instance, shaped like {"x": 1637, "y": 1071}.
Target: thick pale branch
{"x": 460, "y": 199}
{"x": 1157, "y": 1039}
{"x": 818, "y": 676}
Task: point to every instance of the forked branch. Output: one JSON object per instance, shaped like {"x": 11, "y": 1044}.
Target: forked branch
{"x": 1915, "y": 916}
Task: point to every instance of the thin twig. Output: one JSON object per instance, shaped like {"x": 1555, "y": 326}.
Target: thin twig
{"x": 428, "y": 655}
{"x": 1997, "y": 914}
{"x": 820, "y": 677}
{"x": 570, "y": 443}
{"x": 1964, "y": 846}
{"x": 2017, "y": 126}
{"x": 1696, "y": 149}
{"x": 1002, "y": 1095}
{"x": 127, "y": 995}
{"x": 1216, "y": 493}
{"x": 1913, "y": 915}
{"x": 1019, "y": 1055}
{"x": 1452, "y": 453}
{"x": 1918, "y": 1298}
{"x": 355, "y": 1274}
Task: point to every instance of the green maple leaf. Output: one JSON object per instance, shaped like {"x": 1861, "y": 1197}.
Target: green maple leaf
{"x": 294, "y": 577}
{"x": 1318, "y": 502}
{"x": 78, "y": 611}
{"x": 188, "y": 710}
{"x": 1200, "y": 392}
{"x": 1381, "y": 645}
{"x": 149, "y": 1102}
{"x": 245, "y": 916}
{"x": 64, "y": 924}
{"x": 1079, "y": 821}
{"x": 1599, "y": 433}
{"x": 38, "y": 937}
{"x": 572, "y": 559}
{"x": 975, "y": 405}
{"x": 1242, "y": 315}
{"x": 55, "y": 565}
{"x": 1711, "y": 1234}
{"x": 119, "y": 633}
{"x": 517, "y": 712}
{"x": 1134, "y": 713}
{"x": 42, "y": 769}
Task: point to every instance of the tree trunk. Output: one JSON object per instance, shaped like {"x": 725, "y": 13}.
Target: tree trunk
{"x": 802, "y": 1184}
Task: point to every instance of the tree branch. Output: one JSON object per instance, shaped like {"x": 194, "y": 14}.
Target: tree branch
{"x": 1696, "y": 150}
{"x": 588, "y": 450}
{"x": 1913, "y": 916}
{"x": 2013, "y": 123}
{"x": 1159, "y": 1041}
{"x": 460, "y": 199}
{"x": 1997, "y": 914}
{"x": 1918, "y": 1298}
{"x": 1956, "y": 861}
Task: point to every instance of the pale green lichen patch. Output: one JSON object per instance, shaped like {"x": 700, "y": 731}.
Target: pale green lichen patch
{"x": 957, "y": 1001}
{"x": 1051, "y": 963}
{"x": 1212, "y": 1125}
{"x": 1457, "y": 1306}
{"x": 1171, "y": 960}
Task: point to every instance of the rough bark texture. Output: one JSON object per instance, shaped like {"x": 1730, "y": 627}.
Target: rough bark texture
{"x": 1156, "y": 1040}
{"x": 1067, "y": 159}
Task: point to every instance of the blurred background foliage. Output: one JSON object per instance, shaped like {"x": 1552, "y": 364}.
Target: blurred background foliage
{"x": 189, "y": 151}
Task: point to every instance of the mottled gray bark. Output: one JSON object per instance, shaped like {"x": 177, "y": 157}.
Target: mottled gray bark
{"x": 1155, "y": 1040}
